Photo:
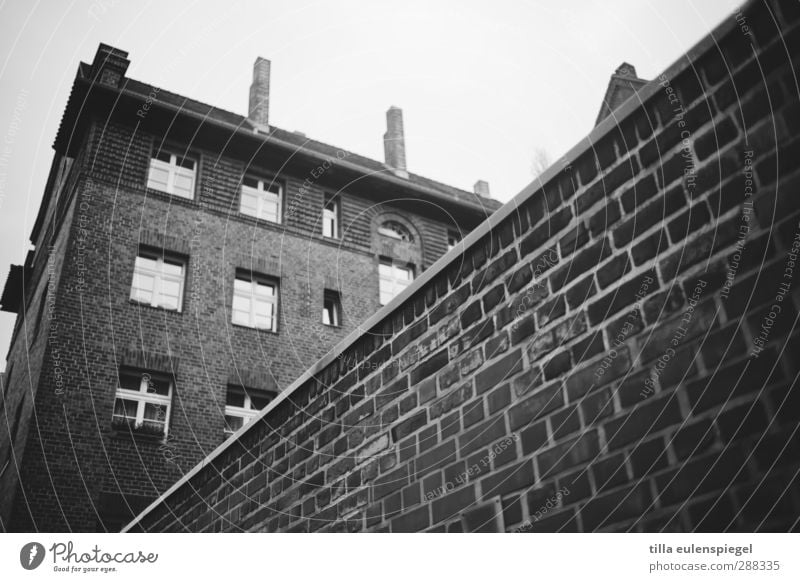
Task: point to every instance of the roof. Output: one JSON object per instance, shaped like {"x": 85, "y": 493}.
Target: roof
{"x": 624, "y": 83}
{"x": 242, "y": 124}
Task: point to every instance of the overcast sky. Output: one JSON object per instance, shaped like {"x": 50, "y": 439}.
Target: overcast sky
{"x": 482, "y": 84}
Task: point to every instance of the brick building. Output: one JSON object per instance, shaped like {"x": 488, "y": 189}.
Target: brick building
{"x": 188, "y": 264}
{"x": 614, "y": 349}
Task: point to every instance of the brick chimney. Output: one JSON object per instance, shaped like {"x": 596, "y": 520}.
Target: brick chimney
{"x": 394, "y": 143}
{"x": 109, "y": 65}
{"x": 258, "y": 112}
{"x": 481, "y": 188}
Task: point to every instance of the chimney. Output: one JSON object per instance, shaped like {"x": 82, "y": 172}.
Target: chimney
{"x": 258, "y": 112}
{"x": 394, "y": 143}
{"x": 481, "y": 188}
{"x": 109, "y": 65}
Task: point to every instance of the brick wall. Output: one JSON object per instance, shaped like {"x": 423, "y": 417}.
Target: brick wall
{"x": 617, "y": 350}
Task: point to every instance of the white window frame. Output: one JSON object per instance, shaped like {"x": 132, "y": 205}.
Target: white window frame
{"x": 330, "y": 217}
{"x": 391, "y": 282}
{"x": 159, "y": 277}
{"x": 246, "y": 412}
{"x": 255, "y": 282}
{"x": 263, "y": 193}
{"x": 335, "y": 312}
{"x": 173, "y": 170}
{"x": 144, "y": 396}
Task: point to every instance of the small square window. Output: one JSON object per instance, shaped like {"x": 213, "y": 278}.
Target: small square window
{"x": 242, "y": 405}
{"x": 158, "y": 280}
{"x": 331, "y": 308}
{"x": 261, "y": 198}
{"x": 330, "y": 217}
{"x": 172, "y": 173}
{"x": 255, "y": 302}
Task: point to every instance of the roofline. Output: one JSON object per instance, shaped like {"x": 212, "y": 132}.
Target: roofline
{"x": 482, "y": 209}
{"x": 585, "y": 145}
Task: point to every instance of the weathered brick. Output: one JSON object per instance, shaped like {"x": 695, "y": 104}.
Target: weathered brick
{"x": 409, "y": 425}
{"x": 648, "y": 418}
{"x": 452, "y": 504}
{"x": 568, "y": 454}
{"x": 436, "y": 458}
{"x": 481, "y": 435}
{"x": 540, "y": 403}
{"x": 501, "y": 371}
{"x": 580, "y": 264}
{"x": 589, "y": 377}
{"x": 449, "y": 304}
{"x": 514, "y": 478}
{"x": 647, "y": 216}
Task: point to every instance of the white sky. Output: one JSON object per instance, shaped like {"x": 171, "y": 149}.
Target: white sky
{"x": 481, "y": 84}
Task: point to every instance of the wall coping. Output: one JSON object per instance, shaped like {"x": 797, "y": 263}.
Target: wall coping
{"x": 507, "y": 210}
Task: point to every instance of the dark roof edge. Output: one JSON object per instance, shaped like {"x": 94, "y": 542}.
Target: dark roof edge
{"x": 482, "y": 206}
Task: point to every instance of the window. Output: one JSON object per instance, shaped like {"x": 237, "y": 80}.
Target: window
{"x": 453, "y": 238}
{"x": 158, "y": 281}
{"x": 241, "y": 405}
{"x": 142, "y": 403}
{"x": 255, "y": 302}
{"x": 330, "y": 217}
{"x": 394, "y": 229}
{"x": 172, "y": 173}
{"x": 394, "y": 277}
{"x": 331, "y": 308}
{"x": 261, "y": 198}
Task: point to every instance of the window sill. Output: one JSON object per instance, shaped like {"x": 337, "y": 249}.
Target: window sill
{"x": 120, "y": 433}
{"x": 258, "y": 329}
{"x": 153, "y": 307}
{"x": 172, "y": 197}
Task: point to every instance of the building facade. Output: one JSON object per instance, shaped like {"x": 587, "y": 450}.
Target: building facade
{"x": 188, "y": 263}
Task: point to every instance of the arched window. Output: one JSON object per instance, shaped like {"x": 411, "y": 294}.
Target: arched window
{"x": 395, "y": 230}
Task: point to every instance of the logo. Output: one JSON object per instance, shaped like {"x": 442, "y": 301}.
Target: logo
{"x": 31, "y": 555}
